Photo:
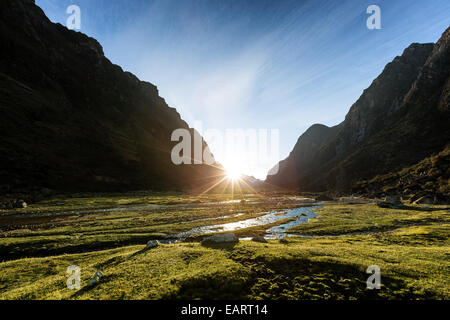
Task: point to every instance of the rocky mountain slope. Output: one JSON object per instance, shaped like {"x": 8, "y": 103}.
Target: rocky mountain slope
{"x": 401, "y": 119}
{"x": 73, "y": 121}
{"x": 430, "y": 176}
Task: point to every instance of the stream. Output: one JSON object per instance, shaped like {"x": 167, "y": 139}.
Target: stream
{"x": 301, "y": 215}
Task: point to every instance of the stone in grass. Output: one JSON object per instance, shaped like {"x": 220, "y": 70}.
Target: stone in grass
{"x": 284, "y": 240}
{"x": 395, "y": 200}
{"x": 151, "y": 244}
{"x": 259, "y": 239}
{"x": 391, "y": 202}
{"x": 20, "y": 204}
{"x": 96, "y": 279}
{"x": 220, "y": 239}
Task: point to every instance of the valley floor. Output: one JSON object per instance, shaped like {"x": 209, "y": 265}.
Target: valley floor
{"x": 327, "y": 258}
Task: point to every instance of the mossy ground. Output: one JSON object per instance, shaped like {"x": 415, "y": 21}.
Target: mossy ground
{"x": 411, "y": 247}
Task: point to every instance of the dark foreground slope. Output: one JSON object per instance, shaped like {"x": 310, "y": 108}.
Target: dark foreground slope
{"x": 73, "y": 121}
{"x": 401, "y": 119}
{"x": 430, "y": 176}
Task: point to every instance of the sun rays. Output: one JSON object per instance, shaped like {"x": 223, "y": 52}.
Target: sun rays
{"x": 233, "y": 173}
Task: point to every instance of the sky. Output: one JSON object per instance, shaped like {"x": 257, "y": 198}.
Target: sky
{"x": 256, "y": 64}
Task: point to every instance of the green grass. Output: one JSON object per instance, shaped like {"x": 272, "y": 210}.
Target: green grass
{"x": 302, "y": 269}
{"x": 92, "y": 201}
{"x": 410, "y": 246}
{"x": 45, "y": 232}
{"x": 338, "y": 219}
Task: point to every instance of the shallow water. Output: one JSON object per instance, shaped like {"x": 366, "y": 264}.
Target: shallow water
{"x": 302, "y": 215}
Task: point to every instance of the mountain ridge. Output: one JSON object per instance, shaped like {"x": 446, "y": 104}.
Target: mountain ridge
{"x": 74, "y": 121}
{"x": 398, "y": 121}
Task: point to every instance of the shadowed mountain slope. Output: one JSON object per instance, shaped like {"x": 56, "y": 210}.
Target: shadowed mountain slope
{"x": 401, "y": 119}
{"x": 73, "y": 121}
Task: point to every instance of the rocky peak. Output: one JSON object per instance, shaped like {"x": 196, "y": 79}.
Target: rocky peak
{"x": 398, "y": 121}
{"x": 88, "y": 43}
{"x": 316, "y": 132}
{"x": 384, "y": 96}
{"x": 433, "y": 76}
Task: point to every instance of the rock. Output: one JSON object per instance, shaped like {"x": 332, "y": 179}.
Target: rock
{"x": 97, "y": 277}
{"x": 259, "y": 239}
{"x": 20, "y": 204}
{"x": 393, "y": 200}
{"x": 228, "y": 238}
{"x": 152, "y": 244}
{"x": 284, "y": 240}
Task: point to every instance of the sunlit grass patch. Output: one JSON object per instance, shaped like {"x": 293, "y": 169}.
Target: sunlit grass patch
{"x": 336, "y": 219}
{"x": 410, "y": 246}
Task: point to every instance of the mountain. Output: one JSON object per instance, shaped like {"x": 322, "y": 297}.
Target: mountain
{"x": 400, "y": 120}
{"x": 251, "y": 183}
{"x": 73, "y": 121}
{"x": 289, "y": 176}
{"x": 430, "y": 176}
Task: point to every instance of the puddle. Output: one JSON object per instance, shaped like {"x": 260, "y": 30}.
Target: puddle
{"x": 302, "y": 215}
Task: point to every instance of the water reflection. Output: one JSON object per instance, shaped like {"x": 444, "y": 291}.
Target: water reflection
{"x": 301, "y": 215}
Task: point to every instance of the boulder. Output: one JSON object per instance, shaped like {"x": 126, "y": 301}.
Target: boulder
{"x": 228, "y": 238}
{"x": 284, "y": 240}
{"x": 393, "y": 200}
{"x": 152, "y": 244}
{"x": 97, "y": 277}
{"x": 259, "y": 239}
{"x": 20, "y": 204}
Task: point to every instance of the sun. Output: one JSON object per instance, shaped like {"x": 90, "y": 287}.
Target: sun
{"x": 233, "y": 173}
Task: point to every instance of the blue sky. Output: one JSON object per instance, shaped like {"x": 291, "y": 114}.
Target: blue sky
{"x": 256, "y": 64}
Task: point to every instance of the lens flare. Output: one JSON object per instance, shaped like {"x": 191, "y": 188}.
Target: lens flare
{"x": 233, "y": 173}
